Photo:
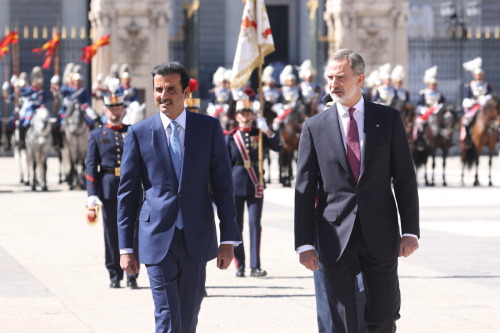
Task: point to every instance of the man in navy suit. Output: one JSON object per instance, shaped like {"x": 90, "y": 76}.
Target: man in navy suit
{"x": 351, "y": 158}
{"x": 176, "y": 228}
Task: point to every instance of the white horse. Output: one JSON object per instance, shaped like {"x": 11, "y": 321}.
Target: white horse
{"x": 18, "y": 143}
{"x": 135, "y": 113}
{"x": 76, "y": 134}
{"x": 38, "y": 144}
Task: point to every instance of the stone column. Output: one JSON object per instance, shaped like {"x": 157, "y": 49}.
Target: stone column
{"x": 374, "y": 28}
{"x": 139, "y": 38}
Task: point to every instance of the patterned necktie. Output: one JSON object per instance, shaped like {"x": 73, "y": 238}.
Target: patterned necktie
{"x": 176, "y": 157}
{"x": 353, "y": 148}
{"x": 175, "y": 148}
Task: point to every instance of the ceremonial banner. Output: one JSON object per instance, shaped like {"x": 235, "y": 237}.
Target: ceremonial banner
{"x": 11, "y": 38}
{"x": 254, "y": 42}
{"x": 91, "y": 50}
{"x": 49, "y": 49}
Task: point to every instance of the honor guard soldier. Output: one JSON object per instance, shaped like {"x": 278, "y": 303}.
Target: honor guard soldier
{"x": 289, "y": 98}
{"x": 34, "y": 97}
{"x": 309, "y": 90}
{"x": 269, "y": 90}
{"x": 104, "y": 154}
{"x": 242, "y": 143}
{"x": 130, "y": 93}
{"x": 475, "y": 93}
{"x": 220, "y": 97}
{"x": 192, "y": 104}
{"x": 402, "y": 95}
{"x": 430, "y": 101}
{"x": 385, "y": 93}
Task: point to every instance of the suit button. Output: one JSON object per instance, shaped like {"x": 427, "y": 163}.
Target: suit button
{"x": 179, "y": 195}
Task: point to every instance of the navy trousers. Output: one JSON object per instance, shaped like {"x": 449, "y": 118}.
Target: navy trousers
{"x": 178, "y": 286}
{"x": 254, "y": 215}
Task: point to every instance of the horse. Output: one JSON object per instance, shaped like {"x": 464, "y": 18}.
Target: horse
{"x": 289, "y": 133}
{"x": 19, "y": 142}
{"x": 483, "y": 132}
{"x": 437, "y": 134}
{"x": 269, "y": 115}
{"x": 135, "y": 113}
{"x": 407, "y": 112}
{"x": 38, "y": 144}
{"x": 20, "y": 155}
{"x": 76, "y": 133}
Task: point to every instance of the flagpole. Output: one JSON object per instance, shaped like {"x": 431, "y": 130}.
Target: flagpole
{"x": 261, "y": 113}
{"x": 15, "y": 57}
{"x": 55, "y": 104}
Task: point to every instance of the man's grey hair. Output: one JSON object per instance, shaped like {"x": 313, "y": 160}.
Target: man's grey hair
{"x": 355, "y": 60}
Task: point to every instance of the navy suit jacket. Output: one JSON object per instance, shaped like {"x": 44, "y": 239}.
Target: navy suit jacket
{"x": 323, "y": 172}
{"x": 146, "y": 165}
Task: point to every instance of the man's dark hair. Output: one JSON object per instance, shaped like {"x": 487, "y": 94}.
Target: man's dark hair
{"x": 172, "y": 68}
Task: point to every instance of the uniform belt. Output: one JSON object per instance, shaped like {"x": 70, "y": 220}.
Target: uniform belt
{"x": 113, "y": 171}
{"x": 253, "y": 163}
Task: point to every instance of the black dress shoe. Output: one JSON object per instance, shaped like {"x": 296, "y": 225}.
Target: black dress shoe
{"x": 240, "y": 272}
{"x": 132, "y": 283}
{"x": 257, "y": 272}
{"x": 114, "y": 284}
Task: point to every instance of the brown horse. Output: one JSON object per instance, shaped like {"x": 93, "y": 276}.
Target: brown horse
{"x": 482, "y": 133}
{"x": 407, "y": 112}
{"x": 290, "y": 136}
{"x": 437, "y": 135}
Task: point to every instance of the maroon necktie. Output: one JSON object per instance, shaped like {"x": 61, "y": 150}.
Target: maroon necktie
{"x": 353, "y": 148}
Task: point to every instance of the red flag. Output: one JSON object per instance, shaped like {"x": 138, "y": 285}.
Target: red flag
{"x": 91, "y": 50}
{"x": 254, "y": 42}
{"x": 49, "y": 49}
{"x": 11, "y": 38}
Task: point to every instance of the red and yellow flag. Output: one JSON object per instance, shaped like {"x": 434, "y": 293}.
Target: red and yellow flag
{"x": 254, "y": 42}
{"x": 91, "y": 50}
{"x": 11, "y": 38}
{"x": 49, "y": 49}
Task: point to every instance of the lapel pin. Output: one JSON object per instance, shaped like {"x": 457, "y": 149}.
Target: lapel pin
{"x": 377, "y": 125}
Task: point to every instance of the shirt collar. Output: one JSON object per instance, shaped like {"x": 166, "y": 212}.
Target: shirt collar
{"x": 181, "y": 120}
{"x": 359, "y": 106}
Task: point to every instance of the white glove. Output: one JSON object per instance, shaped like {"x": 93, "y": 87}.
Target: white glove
{"x": 276, "y": 126}
{"x": 93, "y": 201}
{"x": 262, "y": 124}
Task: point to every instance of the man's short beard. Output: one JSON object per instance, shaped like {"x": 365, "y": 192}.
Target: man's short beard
{"x": 347, "y": 96}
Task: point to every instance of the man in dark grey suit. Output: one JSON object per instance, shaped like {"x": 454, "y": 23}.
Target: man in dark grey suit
{"x": 171, "y": 157}
{"x": 354, "y": 174}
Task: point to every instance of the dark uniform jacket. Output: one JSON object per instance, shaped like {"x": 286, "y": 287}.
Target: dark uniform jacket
{"x": 243, "y": 185}
{"x": 104, "y": 154}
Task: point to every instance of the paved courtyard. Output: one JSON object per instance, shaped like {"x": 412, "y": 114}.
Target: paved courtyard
{"x": 53, "y": 276}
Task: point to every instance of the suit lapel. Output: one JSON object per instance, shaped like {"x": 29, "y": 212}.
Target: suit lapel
{"x": 372, "y": 128}
{"x": 159, "y": 145}
{"x": 333, "y": 132}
